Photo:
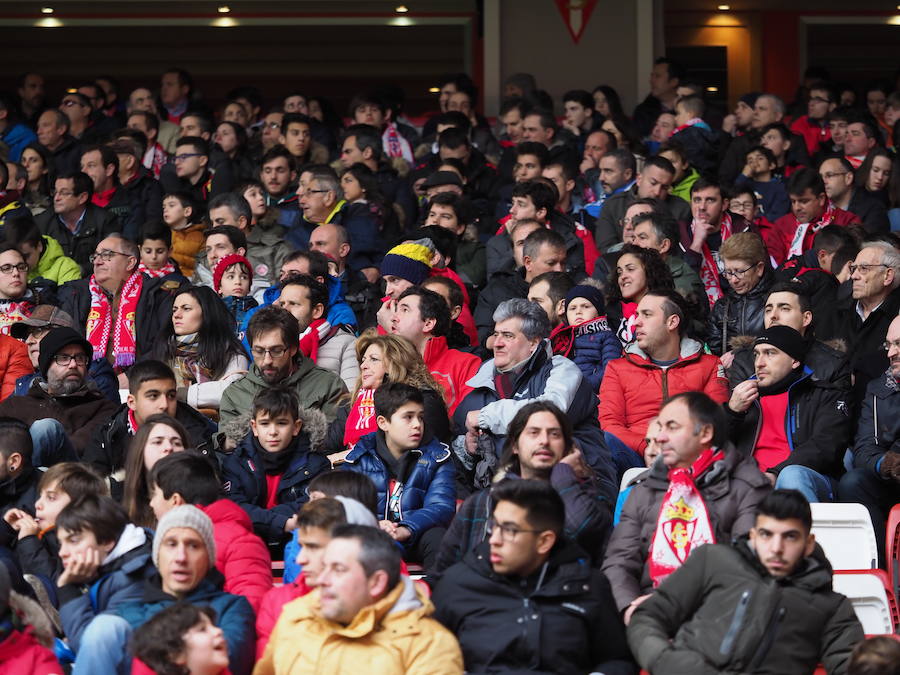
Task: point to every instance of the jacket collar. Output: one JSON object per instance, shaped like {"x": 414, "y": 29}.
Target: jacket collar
{"x": 689, "y": 350}
{"x": 485, "y": 375}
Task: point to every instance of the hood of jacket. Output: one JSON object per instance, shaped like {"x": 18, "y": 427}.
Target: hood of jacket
{"x": 315, "y": 427}
{"x": 226, "y": 511}
{"x": 52, "y": 252}
{"x": 689, "y": 349}
{"x": 814, "y": 572}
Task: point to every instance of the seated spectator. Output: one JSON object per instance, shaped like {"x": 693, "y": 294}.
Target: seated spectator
{"x": 139, "y": 185}
{"x": 241, "y": 556}
{"x": 702, "y": 236}
{"x": 184, "y": 549}
{"x": 200, "y": 346}
{"x": 106, "y": 561}
{"x": 422, "y": 317}
{"x": 663, "y": 631}
{"x": 151, "y": 391}
{"x": 72, "y": 206}
{"x": 37, "y": 547}
{"x": 523, "y": 370}
{"x": 540, "y": 447}
{"x": 18, "y": 477}
{"x": 796, "y": 429}
{"x": 160, "y": 435}
{"x": 542, "y": 250}
{"x": 220, "y": 241}
{"x": 685, "y": 174}
{"x": 181, "y": 636}
{"x": 268, "y": 472}
{"x": 101, "y": 164}
{"x": 190, "y": 171}
{"x": 661, "y": 362}
{"x": 15, "y": 364}
{"x": 718, "y": 489}
{"x": 46, "y": 262}
{"x": 813, "y": 126}
{"x": 659, "y": 232}
{"x": 788, "y": 305}
{"x": 838, "y": 176}
{"x": 266, "y": 245}
{"x": 183, "y": 217}
{"x": 638, "y": 271}
{"x": 745, "y": 266}
{"x": 549, "y": 291}
{"x": 694, "y": 134}
{"x": 61, "y": 408}
{"x": 462, "y": 334}
{"x": 637, "y": 208}
{"x": 121, "y": 311}
{"x": 874, "y": 174}
{"x": 586, "y": 338}
{"x": 778, "y": 140}
{"x": 25, "y": 647}
{"x": 415, "y": 482}
{"x": 278, "y": 173}
{"x": 329, "y": 347}
{"x": 874, "y": 479}
{"x": 155, "y": 245}
{"x": 38, "y": 164}
{"x": 456, "y": 214}
{"x": 485, "y": 593}
{"x": 16, "y": 299}
{"x": 407, "y": 264}
{"x": 274, "y": 337}
{"x": 810, "y": 212}
{"x": 360, "y": 580}
{"x": 383, "y": 359}
{"x": 875, "y": 656}
{"x": 759, "y": 174}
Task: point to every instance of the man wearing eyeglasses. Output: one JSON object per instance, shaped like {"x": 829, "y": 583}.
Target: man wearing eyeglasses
{"x": 191, "y": 171}
{"x": 528, "y": 599}
{"x": 61, "y": 407}
{"x": 837, "y": 174}
{"x": 875, "y": 478}
{"x": 813, "y": 126}
{"x": 77, "y": 107}
{"x": 76, "y": 223}
{"x": 16, "y": 300}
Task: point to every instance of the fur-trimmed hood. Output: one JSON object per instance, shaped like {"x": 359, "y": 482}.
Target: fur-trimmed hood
{"x": 746, "y": 342}
{"x": 315, "y": 425}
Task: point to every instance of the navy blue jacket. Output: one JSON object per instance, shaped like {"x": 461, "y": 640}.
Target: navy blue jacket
{"x": 244, "y": 482}
{"x": 429, "y": 491}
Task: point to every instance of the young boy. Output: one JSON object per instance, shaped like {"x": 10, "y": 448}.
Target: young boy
{"x": 268, "y": 472}
{"x": 105, "y": 562}
{"x": 241, "y": 556}
{"x": 184, "y": 218}
{"x": 416, "y": 484}
{"x": 37, "y": 547}
{"x": 759, "y": 175}
{"x": 156, "y": 249}
{"x": 232, "y": 278}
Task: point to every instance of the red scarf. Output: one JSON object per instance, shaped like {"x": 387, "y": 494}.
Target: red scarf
{"x": 101, "y": 199}
{"x": 13, "y": 311}
{"x": 683, "y": 523}
{"x": 361, "y": 420}
{"x": 312, "y": 337}
{"x": 709, "y": 269}
{"x": 805, "y": 232}
{"x": 395, "y": 145}
{"x": 100, "y": 321}
{"x": 132, "y": 423}
{"x": 168, "y": 268}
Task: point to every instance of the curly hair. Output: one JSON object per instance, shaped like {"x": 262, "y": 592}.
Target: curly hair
{"x": 402, "y": 363}
{"x": 161, "y": 639}
{"x": 659, "y": 277}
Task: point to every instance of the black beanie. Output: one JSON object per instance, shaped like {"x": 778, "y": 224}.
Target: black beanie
{"x": 55, "y": 340}
{"x": 590, "y": 293}
{"x": 786, "y": 339}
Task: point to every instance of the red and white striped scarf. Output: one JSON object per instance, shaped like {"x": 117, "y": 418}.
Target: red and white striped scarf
{"x": 799, "y": 243}
{"x": 709, "y": 268}
{"x": 100, "y": 323}
{"x": 168, "y": 268}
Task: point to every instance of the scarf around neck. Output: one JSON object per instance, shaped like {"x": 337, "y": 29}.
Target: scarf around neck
{"x": 275, "y": 463}
{"x": 168, "y": 268}
{"x": 361, "y": 419}
{"x": 187, "y": 365}
{"x": 100, "y": 320}
{"x": 312, "y": 337}
{"x": 799, "y": 243}
{"x": 709, "y": 268}
{"x": 683, "y": 523}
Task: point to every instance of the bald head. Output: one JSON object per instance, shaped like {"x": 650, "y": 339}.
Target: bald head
{"x": 332, "y": 241}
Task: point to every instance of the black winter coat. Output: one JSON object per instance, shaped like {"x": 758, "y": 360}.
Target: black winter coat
{"x": 502, "y": 286}
{"x": 734, "y": 314}
{"x": 561, "y": 619}
{"x": 879, "y": 423}
{"x": 97, "y": 225}
{"x": 17, "y": 493}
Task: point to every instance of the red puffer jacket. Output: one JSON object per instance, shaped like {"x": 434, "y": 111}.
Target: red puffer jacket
{"x": 452, "y": 369}
{"x": 241, "y": 556}
{"x": 21, "y": 653}
{"x": 14, "y": 363}
{"x": 633, "y": 388}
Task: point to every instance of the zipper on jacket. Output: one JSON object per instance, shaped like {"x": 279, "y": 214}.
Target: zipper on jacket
{"x": 665, "y": 384}
{"x": 768, "y": 638}
{"x": 737, "y": 622}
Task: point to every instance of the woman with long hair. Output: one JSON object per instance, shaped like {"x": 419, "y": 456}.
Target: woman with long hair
{"x": 232, "y": 140}
{"x": 607, "y": 101}
{"x": 38, "y": 163}
{"x": 383, "y": 359}
{"x": 200, "y": 347}
{"x": 160, "y": 435}
{"x": 874, "y": 175}
{"x": 627, "y": 136}
{"x": 638, "y": 271}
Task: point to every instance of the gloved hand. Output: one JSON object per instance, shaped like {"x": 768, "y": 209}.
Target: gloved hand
{"x": 890, "y": 466}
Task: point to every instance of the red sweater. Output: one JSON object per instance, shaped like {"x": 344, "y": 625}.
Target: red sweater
{"x": 772, "y": 443}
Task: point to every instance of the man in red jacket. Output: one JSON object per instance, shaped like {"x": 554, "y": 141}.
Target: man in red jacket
{"x": 810, "y": 212}
{"x": 423, "y": 318}
{"x": 813, "y": 126}
{"x": 241, "y": 556}
{"x": 661, "y": 362}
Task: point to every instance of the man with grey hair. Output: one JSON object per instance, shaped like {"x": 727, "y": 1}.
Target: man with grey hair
{"x": 865, "y": 316}
{"x": 524, "y": 370}
{"x": 658, "y": 231}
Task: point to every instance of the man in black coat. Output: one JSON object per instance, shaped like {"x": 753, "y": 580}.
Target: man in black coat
{"x": 18, "y": 479}
{"x": 527, "y": 600}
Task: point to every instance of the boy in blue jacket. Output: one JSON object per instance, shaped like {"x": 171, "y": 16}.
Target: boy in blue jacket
{"x": 268, "y": 472}
{"x": 416, "y": 483}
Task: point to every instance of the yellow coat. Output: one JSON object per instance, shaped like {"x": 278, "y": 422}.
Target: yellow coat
{"x": 186, "y": 244}
{"x": 395, "y": 635}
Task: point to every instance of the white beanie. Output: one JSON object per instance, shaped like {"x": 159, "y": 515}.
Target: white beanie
{"x": 190, "y": 517}
{"x": 356, "y": 513}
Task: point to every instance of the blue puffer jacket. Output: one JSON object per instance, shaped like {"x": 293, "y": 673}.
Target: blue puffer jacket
{"x": 234, "y": 615}
{"x": 119, "y": 582}
{"x": 591, "y": 345}
{"x": 429, "y": 491}
{"x": 244, "y": 481}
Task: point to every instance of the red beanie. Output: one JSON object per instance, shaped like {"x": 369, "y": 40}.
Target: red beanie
{"x": 225, "y": 263}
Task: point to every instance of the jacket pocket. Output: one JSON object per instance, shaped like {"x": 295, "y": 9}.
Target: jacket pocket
{"x": 737, "y": 623}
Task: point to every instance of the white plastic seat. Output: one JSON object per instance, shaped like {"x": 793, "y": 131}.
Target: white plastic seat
{"x": 629, "y": 475}
{"x": 846, "y": 535}
{"x": 868, "y": 596}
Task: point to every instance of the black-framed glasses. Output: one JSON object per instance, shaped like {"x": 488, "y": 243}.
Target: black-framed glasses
{"x": 9, "y": 267}
{"x": 737, "y": 274}
{"x": 865, "y": 267}
{"x": 187, "y": 155}
{"x": 105, "y": 255}
{"x": 66, "y": 359}
{"x": 274, "y": 352}
{"x": 507, "y": 532}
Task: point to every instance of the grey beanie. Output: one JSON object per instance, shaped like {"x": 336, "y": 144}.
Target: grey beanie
{"x": 356, "y": 513}
{"x": 186, "y": 516}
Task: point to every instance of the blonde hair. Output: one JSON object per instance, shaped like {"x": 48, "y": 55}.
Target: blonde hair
{"x": 402, "y": 363}
{"x": 747, "y": 246}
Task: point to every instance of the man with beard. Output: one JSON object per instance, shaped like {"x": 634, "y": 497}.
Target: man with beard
{"x": 61, "y": 408}
{"x": 274, "y": 337}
